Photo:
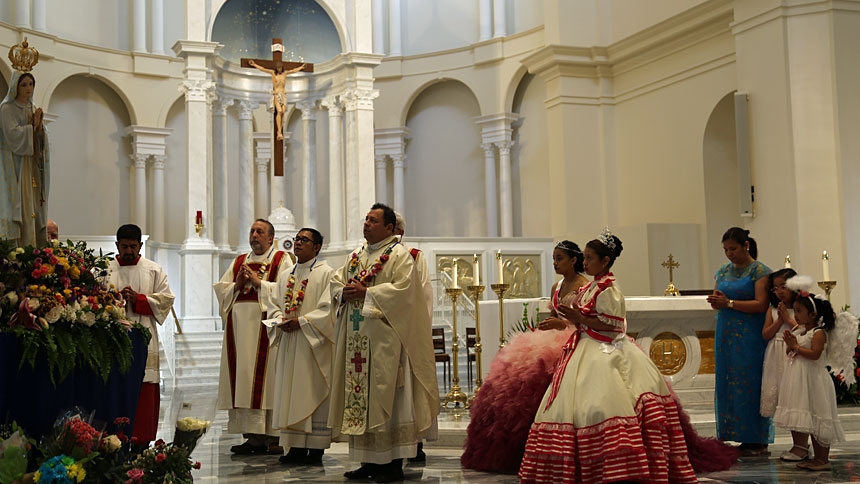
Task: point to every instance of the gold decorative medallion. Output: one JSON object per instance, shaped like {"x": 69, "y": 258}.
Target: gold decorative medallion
{"x": 669, "y": 353}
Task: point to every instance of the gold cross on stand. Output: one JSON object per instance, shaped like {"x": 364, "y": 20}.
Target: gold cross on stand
{"x": 671, "y": 264}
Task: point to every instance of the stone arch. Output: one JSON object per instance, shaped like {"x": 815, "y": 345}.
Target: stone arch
{"x": 56, "y": 81}
{"x": 407, "y": 106}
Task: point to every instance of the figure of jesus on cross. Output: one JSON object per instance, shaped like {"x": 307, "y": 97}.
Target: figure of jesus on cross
{"x": 279, "y": 70}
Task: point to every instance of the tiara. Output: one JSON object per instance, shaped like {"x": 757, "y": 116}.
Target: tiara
{"x": 23, "y": 57}
{"x": 561, "y": 245}
{"x": 606, "y": 238}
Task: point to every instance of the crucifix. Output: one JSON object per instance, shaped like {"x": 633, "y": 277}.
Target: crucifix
{"x": 279, "y": 70}
{"x": 671, "y": 264}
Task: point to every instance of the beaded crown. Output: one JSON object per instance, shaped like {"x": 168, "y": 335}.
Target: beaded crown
{"x": 23, "y": 57}
{"x": 606, "y": 238}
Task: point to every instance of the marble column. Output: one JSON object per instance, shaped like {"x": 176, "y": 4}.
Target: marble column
{"x": 399, "y": 163}
{"x": 378, "y": 27}
{"x": 381, "y": 165}
{"x": 506, "y": 205}
{"x": 246, "y": 180}
{"x": 500, "y": 23}
{"x": 485, "y": 20}
{"x": 156, "y": 231}
{"x": 394, "y": 32}
{"x": 309, "y": 163}
{"x": 140, "y": 190}
{"x": 490, "y": 192}
{"x": 263, "y": 143}
{"x": 363, "y": 145}
{"x": 352, "y": 200}
{"x": 335, "y": 170}
{"x": 40, "y": 15}
{"x": 157, "y": 26}
{"x": 219, "y": 221}
{"x": 139, "y": 29}
{"x": 196, "y": 304}
{"x": 22, "y": 13}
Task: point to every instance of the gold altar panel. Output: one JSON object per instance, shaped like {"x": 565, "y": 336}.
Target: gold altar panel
{"x": 706, "y": 342}
{"x": 523, "y": 273}
{"x": 668, "y": 352}
{"x": 465, "y": 269}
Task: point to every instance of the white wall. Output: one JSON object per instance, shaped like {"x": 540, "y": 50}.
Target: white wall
{"x": 94, "y": 22}
{"x": 175, "y": 174}
{"x": 437, "y": 25}
{"x": 530, "y": 160}
{"x": 445, "y": 164}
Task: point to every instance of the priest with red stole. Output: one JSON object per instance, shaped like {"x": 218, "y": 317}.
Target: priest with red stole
{"x": 247, "y": 382}
{"x": 143, "y": 284}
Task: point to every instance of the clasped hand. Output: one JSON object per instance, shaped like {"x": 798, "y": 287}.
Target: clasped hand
{"x": 290, "y": 325}
{"x": 354, "y": 290}
{"x": 247, "y": 274}
{"x": 129, "y": 294}
{"x": 718, "y": 300}
{"x": 790, "y": 341}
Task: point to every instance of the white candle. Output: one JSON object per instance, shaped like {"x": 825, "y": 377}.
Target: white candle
{"x": 475, "y": 268}
{"x": 788, "y": 262}
{"x": 454, "y": 275}
{"x": 500, "y": 268}
{"x": 825, "y": 265}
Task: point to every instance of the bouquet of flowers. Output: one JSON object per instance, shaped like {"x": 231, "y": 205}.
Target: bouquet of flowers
{"x": 13, "y": 454}
{"x": 189, "y": 430}
{"x": 161, "y": 464}
{"x": 56, "y": 301}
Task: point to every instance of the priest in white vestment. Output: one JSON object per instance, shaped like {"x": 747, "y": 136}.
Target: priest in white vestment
{"x": 247, "y": 381}
{"x": 302, "y": 326}
{"x": 384, "y": 393}
{"x": 143, "y": 284}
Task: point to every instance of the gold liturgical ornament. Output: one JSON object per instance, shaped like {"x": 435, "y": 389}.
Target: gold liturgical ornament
{"x": 23, "y": 57}
{"x": 671, "y": 264}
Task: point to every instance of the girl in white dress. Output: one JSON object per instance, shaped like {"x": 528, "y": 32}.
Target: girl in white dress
{"x": 779, "y": 317}
{"x": 807, "y": 398}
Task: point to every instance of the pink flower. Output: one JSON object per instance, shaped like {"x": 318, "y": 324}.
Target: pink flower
{"x": 135, "y": 474}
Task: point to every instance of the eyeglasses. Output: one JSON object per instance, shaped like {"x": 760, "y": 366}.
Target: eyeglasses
{"x": 303, "y": 240}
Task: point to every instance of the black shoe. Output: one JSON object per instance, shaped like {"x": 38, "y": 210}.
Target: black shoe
{"x": 314, "y": 457}
{"x": 391, "y": 472}
{"x": 296, "y": 456}
{"x": 420, "y": 457}
{"x": 247, "y": 448}
{"x": 366, "y": 471}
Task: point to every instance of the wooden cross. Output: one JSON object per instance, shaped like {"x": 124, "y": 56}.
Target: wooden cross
{"x": 357, "y": 360}
{"x": 278, "y": 69}
{"x": 671, "y": 264}
{"x": 356, "y": 318}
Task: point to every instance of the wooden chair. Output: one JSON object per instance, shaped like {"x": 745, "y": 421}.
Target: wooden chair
{"x": 442, "y": 354}
{"x": 470, "y": 355}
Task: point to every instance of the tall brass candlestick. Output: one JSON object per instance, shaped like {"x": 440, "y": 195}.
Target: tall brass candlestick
{"x": 455, "y": 396}
{"x": 500, "y": 290}
{"x": 827, "y": 286}
{"x": 475, "y": 292}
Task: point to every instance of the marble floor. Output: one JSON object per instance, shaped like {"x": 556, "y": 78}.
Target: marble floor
{"x": 443, "y": 464}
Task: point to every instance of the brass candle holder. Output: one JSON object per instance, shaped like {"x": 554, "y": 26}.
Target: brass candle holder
{"x": 455, "y": 396}
{"x": 827, "y": 286}
{"x": 199, "y": 228}
{"x": 476, "y": 291}
{"x": 500, "y": 290}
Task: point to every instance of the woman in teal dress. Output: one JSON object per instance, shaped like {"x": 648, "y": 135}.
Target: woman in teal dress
{"x": 740, "y": 298}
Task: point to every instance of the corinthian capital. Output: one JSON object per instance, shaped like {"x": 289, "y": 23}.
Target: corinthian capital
{"x": 197, "y": 89}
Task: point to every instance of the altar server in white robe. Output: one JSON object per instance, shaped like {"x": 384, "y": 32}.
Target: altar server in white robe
{"x": 247, "y": 381}
{"x": 384, "y": 390}
{"x": 301, "y": 324}
{"x": 143, "y": 284}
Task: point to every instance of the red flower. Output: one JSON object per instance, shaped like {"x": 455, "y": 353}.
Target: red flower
{"x": 383, "y": 257}
{"x": 121, "y": 421}
{"x": 159, "y": 442}
{"x": 159, "y": 458}
{"x": 197, "y": 465}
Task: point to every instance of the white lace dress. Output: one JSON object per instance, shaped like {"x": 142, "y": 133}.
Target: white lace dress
{"x": 807, "y": 398}
{"x": 774, "y": 364}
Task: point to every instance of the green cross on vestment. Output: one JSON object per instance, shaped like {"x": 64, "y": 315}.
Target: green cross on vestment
{"x": 356, "y": 318}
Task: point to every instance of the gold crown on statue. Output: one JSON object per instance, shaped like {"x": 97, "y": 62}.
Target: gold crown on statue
{"x": 23, "y": 57}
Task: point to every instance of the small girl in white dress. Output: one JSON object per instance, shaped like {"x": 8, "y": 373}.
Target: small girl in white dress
{"x": 807, "y": 397}
{"x": 779, "y": 318}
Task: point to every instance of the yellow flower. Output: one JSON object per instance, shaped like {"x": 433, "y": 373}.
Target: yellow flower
{"x": 43, "y": 288}
{"x": 74, "y": 272}
{"x": 76, "y": 472}
{"x": 37, "y": 476}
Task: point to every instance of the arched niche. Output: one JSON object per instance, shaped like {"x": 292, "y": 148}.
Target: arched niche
{"x": 530, "y": 158}
{"x": 246, "y": 29}
{"x": 720, "y": 170}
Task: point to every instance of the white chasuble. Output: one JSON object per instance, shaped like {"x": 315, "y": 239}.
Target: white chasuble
{"x": 246, "y": 384}
{"x": 304, "y": 360}
{"x": 148, "y": 279}
{"x": 384, "y": 391}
